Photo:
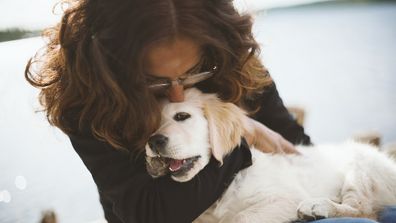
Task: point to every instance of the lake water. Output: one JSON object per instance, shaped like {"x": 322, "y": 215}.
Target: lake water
{"x": 336, "y": 61}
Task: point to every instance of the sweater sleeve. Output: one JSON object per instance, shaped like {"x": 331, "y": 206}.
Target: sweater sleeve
{"x": 274, "y": 115}
{"x": 133, "y": 196}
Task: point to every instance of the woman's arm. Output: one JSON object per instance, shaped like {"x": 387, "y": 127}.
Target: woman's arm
{"x": 127, "y": 189}
{"x": 274, "y": 115}
{"x": 267, "y": 140}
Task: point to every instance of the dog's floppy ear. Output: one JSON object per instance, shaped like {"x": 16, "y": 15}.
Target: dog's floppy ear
{"x": 227, "y": 124}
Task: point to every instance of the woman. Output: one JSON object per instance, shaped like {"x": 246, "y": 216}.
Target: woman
{"x": 107, "y": 64}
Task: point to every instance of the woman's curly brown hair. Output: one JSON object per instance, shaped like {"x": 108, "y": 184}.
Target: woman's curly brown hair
{"x": 91, "y": 76}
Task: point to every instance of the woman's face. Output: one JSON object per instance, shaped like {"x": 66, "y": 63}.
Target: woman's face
{"x": 170, "y": 60}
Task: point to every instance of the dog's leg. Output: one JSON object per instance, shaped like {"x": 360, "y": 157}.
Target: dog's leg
{"x": 277, "y": 211}
{"x": 318, "y": 208}
{"x": 358, "y": 192}
{"x": 357, "y": 198}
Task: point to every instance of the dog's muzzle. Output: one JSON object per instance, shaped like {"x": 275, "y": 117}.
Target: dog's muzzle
{"x": 157, "y": 143}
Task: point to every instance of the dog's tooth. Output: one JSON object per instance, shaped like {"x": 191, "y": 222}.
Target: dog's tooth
{"x": 184, "y": 161}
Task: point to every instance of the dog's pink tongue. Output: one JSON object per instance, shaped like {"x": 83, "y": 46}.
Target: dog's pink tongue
{"x": 175, "y": 165}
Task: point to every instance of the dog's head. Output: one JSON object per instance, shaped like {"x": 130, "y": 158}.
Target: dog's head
{"x": 192, "y": 131}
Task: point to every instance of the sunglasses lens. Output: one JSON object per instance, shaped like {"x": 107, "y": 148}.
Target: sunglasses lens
{"x": 196, "y": 78}
{"x": 158, "y": 89}
{"x": 187, "y": 82}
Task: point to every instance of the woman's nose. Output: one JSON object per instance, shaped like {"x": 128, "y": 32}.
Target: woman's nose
{"x": 176, "y": 93}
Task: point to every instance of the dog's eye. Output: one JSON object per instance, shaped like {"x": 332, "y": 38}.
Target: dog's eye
{"x": 181, "y": 116}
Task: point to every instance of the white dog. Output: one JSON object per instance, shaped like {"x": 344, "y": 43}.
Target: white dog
{"x": 324, "y": 181}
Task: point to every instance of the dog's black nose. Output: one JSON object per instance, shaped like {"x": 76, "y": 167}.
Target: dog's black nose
{"x": 157, "y": 142}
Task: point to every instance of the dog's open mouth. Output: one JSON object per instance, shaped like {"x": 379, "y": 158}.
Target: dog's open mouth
{"x": 177, "y": 167}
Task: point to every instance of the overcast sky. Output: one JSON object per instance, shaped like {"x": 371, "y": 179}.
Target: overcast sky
{"x": 37, "y": 14}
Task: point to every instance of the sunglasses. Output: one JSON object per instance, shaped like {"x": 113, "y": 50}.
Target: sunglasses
{"x": 162, "y": 85}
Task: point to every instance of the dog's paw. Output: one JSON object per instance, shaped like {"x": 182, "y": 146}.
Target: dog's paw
{"x": 315, "y": 209}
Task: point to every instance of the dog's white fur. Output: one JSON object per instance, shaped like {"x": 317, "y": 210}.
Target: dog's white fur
{"x": 344, "y": 180}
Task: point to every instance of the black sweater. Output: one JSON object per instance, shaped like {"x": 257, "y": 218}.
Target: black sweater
{"x": 128, "y": 194}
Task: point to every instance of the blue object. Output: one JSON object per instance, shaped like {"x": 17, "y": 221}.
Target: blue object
{"x": 388, "y": 215}
{"x": 344, "y": 220}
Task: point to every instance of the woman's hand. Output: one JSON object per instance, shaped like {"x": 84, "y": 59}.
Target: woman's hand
{"x": 266, "y": 140}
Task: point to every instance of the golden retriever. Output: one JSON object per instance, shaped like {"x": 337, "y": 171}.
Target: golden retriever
{"x": 350, "y": 179}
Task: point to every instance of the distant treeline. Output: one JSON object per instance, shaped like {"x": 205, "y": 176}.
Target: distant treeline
{"x": 13, "y": 34}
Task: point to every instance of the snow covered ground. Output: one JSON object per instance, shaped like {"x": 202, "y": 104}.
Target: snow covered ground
{"x": 51, "y": 173}
{"x": 337, "y": 61}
